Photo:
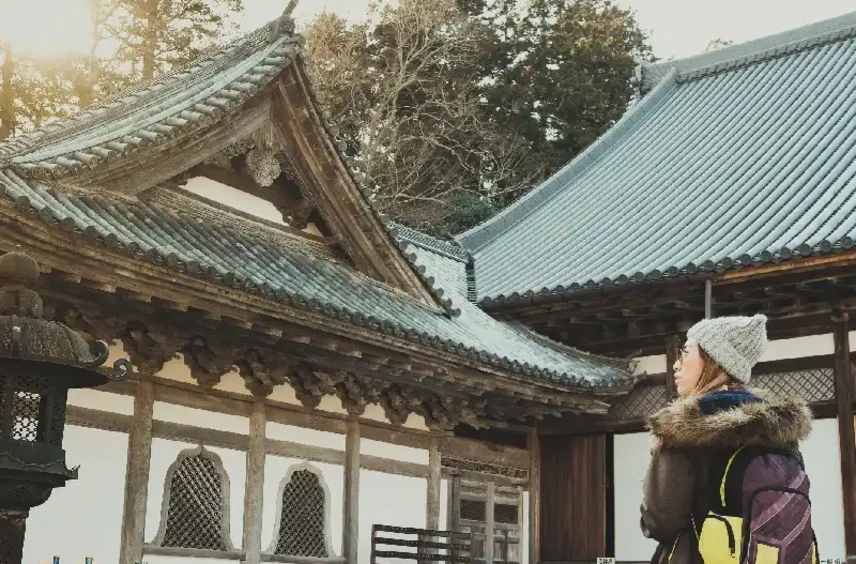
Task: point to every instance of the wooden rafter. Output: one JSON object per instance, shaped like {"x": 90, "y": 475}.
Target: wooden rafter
{"x": 339, "y": 199}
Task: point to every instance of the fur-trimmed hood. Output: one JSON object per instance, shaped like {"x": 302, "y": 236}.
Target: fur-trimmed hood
{"x": 732, "y": 419}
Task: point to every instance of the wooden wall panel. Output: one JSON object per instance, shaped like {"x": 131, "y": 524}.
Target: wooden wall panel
{"x": 573, "y": 498}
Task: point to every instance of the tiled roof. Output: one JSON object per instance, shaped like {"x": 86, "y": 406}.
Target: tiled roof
{"x": 186, "y": 237}
{"x": 186, "y": 99}
{"x": 735, "y": 158}
{"x": 177, "y": 104}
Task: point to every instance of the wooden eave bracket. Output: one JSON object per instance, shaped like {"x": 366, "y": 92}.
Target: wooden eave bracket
{"x": 339, "y": 196}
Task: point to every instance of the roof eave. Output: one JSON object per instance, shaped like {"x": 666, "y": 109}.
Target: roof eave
{"x": 476, "y": 239}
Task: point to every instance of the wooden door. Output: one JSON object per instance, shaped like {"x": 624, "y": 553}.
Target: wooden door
{"x": 574, "y": 508}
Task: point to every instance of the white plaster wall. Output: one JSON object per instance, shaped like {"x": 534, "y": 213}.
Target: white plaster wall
{"x": 164, "y": 453}
{"x": 394, "y": 452}
{"x": 292, "y": 434}
{"x": 632, "y": 453}
{"x": 233, "y": 197}
{"x": 444, "y": 503}
{"x": 85, "y": 517}
{"x": 387, "y": 499}
{"x": 823, "y": 464}
{"x": 102, "y": 401}
{"x": 171, "y": 413}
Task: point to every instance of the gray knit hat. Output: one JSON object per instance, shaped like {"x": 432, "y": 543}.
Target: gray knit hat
{"x": 736, "y": 343}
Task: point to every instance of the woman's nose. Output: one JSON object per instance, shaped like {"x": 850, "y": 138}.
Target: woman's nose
{"x": 677, "y": 365}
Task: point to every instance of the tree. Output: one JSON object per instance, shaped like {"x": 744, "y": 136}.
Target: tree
{"x": 158, "y": 35}
{"x": 453, "y": 108}
{"x": 568, "y": 76}
{"x": 717, "y": 44}
{"x": 406, "y": 95}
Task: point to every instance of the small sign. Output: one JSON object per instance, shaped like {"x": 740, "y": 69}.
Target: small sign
{"x": 606, "y": 560}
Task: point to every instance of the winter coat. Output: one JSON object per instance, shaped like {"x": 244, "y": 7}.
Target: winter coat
{"x": 689, "y": 436}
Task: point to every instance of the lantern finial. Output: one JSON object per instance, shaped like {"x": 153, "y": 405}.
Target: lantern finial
{"x": 18, "y": 273}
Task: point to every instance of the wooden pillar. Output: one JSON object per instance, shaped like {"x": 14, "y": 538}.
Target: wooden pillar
{"x": 137, "y": 475}
{"x": 351, "y": 513}
{"x": 708, "y": 298}
{"x": 454, "y": 510}
{"x": 13, "y": 528}
{"x": 254, "y": 485}
{"x": 534, "y": 497}
{"x": 432, "y": 517}
{"x": 490, "y": 504}
{"x": 844, "y": 400}
{"x": 673, "y": 350}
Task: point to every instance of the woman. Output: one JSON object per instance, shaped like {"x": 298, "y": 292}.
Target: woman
{"x": 713, "y": 414}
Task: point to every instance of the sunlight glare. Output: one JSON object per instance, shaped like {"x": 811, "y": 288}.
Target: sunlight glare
{"x": 46, "y": 28}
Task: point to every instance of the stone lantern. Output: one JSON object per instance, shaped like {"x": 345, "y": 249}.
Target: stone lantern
{"x": 40, "y": 361}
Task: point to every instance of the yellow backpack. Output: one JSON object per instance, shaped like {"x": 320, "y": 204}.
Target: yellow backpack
{"x": 761, "y": 513}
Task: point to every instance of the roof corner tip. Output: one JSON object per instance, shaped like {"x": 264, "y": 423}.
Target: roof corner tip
{"x": 284, "y": 24}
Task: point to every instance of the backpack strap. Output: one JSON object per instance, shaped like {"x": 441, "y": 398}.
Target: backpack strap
{"x": 728, "y": 464}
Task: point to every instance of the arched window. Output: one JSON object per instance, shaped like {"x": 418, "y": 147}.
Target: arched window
{"x": 195, "y": 508}
{"x": 303, "y": 524}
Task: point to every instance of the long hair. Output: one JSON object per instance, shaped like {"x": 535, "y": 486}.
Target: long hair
{"x": 713, "y": 377}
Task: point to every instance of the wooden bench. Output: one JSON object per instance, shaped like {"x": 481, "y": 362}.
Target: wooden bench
{"x": 431, "y": 546}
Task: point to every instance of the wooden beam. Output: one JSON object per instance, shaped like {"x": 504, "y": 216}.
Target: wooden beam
{"x": 345, "y": 209}
{"x": 137, "y": 474}
{"x": 351, "y": 510}
{"x": 534, "y": 497}
{"x": 230, "y": 403}
{"x": 844, "y": 401}
{"x": 254, "y": 485}
{"x": 176, "y": 158}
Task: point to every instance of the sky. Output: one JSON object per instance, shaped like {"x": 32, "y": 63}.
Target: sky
{"x": 677, "y": 28}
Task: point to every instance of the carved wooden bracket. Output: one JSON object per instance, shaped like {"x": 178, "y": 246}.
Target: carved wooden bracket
{"x": 208, "y": 363}
{"x": 149, "y": 350}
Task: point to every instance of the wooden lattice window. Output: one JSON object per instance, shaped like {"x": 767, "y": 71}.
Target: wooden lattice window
{"x": 195, "y": 511}
{"x": 642, "y": 401}
{"x": 811, "y": 384}
{"x": 470, "y": 516}
{"x": 302, "y": 529}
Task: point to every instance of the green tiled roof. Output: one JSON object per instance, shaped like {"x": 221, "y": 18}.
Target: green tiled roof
{"x": 177, "y": 230}
{"x": 177, "y": 104}
{"x": 188, "y": 238}
{"x": 735, "y": 158}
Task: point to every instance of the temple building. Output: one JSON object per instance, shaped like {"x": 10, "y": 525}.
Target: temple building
{"x": 728, "y": 188}
{"x": 306, "y": 370}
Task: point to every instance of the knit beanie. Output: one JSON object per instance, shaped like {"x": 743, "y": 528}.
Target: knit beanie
{"x": 735, "y": 343}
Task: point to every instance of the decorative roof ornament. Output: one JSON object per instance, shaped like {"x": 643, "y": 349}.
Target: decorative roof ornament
{"x": 284, "y": 24}
{"x": 262, "y": 160}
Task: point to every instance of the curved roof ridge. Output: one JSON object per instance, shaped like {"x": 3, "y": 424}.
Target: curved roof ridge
{"x": 479, "y": 236}
{"x": 211, "y": 60}
{"x": 753, "y": 51}
{"x": 428, "y": 242}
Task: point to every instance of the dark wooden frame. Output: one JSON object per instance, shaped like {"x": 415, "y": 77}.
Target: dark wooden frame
{"x": 426, "y": 539}
{"x": 632, "y": 320}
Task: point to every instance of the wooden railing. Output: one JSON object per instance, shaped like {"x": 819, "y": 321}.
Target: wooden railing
{"x": 430, "y": 546}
